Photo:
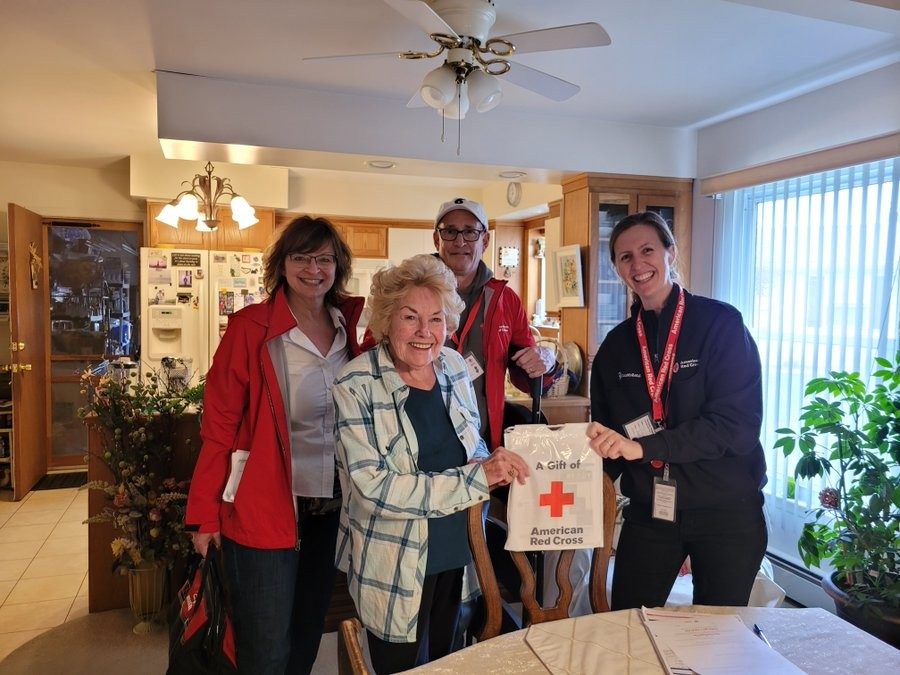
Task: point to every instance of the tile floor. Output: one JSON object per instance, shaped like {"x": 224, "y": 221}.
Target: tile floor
{"x": 43, "y": 563}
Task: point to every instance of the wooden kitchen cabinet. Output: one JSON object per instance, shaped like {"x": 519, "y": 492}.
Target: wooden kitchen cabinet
{"x": 227, "y": 238}
{"x": 366, "y": 240}
{"x": 592, "y": 205}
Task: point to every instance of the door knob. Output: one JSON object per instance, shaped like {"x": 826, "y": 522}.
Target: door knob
{"x": 16, "y": 346}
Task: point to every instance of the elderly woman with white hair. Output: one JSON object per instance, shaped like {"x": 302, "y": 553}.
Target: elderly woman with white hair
{"x": 411, "y": 462}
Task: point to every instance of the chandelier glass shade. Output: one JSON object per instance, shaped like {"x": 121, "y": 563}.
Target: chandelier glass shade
{"x": 200, "y": 200}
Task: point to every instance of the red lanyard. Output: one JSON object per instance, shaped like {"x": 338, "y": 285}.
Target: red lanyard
{"x": 460, "y": 341}
{"x": 664, "y": 377}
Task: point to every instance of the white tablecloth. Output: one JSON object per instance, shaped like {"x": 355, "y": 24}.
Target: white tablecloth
{"x": 813, "y": 639}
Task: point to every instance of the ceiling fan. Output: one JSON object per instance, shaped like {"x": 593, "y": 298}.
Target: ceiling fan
{"x": 473, "y": 62}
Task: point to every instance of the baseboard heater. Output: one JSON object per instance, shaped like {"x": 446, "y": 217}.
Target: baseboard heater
{"x": 801, "y": 586}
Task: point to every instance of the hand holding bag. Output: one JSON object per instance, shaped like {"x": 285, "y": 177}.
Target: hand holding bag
{"x": 201, "y": 637}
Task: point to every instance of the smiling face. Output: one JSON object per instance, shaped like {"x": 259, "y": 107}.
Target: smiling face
{"x": 417, "y": 332}
{"x": 308, "y": 283}
{"x": 645, "y": 265}
{"x": 460, "y": 255}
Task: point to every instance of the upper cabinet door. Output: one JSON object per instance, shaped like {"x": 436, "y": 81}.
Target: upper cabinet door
{"x": 257, "y": 237}
{"x": 28, "y": 332}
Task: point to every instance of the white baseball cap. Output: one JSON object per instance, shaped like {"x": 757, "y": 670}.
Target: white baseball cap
{"x": 460, "y": 204}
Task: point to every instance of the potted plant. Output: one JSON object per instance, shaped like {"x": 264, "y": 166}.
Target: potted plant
{"x": 136, "y": 418}
{"x": 850, "y": 436}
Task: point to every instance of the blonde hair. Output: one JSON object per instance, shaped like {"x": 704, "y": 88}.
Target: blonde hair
{"x": 390, "y": 286}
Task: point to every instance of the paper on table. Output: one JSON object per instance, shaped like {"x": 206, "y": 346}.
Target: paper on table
{"x": 712, "y": 644}
{"x": 608, "y": 642}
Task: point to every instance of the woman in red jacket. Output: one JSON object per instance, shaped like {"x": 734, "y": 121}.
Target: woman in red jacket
{"x": 265, "y": 488}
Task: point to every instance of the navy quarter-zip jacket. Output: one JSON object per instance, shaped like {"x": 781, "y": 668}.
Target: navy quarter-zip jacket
{"x": 713, "y": 408}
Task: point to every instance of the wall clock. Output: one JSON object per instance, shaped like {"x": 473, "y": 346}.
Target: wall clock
{"x": 513, "y": 193}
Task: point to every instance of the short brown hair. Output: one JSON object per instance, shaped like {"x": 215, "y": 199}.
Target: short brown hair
{"x": 390, "y": 286}
{"x": 305, "y": 234}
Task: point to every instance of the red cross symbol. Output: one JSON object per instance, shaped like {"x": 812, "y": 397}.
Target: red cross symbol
{"x": 556, "y": 499}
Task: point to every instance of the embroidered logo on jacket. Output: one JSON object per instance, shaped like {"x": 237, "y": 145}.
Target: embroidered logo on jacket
{"x": 686, "y": 363}
{"x": 623, "y": 376}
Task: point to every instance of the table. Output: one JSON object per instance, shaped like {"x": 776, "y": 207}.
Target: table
{"x": 813, "y": 639}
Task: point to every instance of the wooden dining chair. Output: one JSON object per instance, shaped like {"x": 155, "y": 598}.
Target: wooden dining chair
{"x": 533, "y": 610}
{"x": 351, "y": 659}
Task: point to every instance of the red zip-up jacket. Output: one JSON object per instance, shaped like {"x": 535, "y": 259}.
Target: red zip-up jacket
{"x": 505, "y": 331}
{"x": 243, "y": 409}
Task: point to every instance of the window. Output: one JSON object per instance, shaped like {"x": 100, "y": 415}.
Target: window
{"x": 813, "y": 264}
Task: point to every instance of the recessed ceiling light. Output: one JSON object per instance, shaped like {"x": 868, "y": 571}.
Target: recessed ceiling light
{"x": 381, "y": 164}
{"x": 512, "y": 175}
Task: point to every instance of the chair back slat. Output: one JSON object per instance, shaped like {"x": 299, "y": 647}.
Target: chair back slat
{"x": 534, "y": 612}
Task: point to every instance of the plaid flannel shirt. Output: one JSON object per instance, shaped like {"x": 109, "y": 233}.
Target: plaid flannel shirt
{"x": 383, "y": 539}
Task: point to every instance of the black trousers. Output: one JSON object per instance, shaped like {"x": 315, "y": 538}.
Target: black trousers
{"x": 726, "y": 548}
{"x": 438, "y": 614}
{"x": 279, "y": 598}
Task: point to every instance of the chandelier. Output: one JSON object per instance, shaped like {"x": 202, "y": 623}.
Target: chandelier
{"x": 199, "y": 203}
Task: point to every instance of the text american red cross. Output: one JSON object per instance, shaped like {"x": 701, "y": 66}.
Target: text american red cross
{"x": 556, "y": 499}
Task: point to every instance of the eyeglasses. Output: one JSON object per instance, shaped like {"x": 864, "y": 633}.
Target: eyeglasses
{"x": 304, "y": 260}
{"x": 451, "y": 233}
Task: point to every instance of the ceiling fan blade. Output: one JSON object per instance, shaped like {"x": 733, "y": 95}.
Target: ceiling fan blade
{"x": 342, "y": 57}
{"x": 422, "y": 15}
{"x": 540, "y": 82}
{"x": 559, "y": 37}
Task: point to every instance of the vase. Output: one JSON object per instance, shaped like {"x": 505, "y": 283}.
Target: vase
{"x": 146, "y": 594}
{"x": 885, "y": 627}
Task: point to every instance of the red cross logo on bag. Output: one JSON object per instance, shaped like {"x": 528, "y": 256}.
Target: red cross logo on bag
{"x": 556, "y": 499}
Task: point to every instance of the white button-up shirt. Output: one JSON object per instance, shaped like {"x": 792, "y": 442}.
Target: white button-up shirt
{"x": 307, "y": 380}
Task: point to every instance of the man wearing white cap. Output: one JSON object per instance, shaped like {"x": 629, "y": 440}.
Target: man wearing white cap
{"x": 493, "y": 332}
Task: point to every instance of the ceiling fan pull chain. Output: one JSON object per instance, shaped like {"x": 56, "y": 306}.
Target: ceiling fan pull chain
{"x": 443, "y": 124}
{"x": 459, "y": 84}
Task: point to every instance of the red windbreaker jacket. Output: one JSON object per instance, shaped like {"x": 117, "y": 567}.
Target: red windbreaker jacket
{"x": 243, "y": 409}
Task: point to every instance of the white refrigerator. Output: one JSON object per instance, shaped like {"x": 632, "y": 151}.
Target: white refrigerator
{"x": 187, "y": 297}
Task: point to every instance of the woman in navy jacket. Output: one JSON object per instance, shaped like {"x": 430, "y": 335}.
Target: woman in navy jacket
{"x": 676, "y": 400}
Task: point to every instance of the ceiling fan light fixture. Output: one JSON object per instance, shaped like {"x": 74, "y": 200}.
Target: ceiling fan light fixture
{"x": 484, "y": 91}
{"x": 459, "y": 106}
{"x": 439, "y": 87}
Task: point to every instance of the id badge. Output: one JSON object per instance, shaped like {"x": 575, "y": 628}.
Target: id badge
{"x": 664, "y": 499}
{"x": 640, "y": 427}
{"x": 474, "y": 368}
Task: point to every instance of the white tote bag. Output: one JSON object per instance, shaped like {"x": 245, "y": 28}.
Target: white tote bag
{"x": 561, "y": 504}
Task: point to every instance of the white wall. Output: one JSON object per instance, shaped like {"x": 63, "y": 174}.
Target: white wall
{"x": 853, "y": 110}
{"x": 211, "y": 110}
{"x": 69, "y": 192}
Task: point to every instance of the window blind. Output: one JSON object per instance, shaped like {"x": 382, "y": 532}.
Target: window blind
{"x": 813, "y": 264}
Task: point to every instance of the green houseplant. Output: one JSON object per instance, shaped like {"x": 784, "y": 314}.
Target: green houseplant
{"x": 850, "y": 436}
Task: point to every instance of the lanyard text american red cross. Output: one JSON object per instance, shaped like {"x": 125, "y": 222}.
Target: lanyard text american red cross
{"x": 556, "y": 499}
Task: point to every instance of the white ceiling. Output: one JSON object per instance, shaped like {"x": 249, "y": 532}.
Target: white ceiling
{"x": 77, "y": 86}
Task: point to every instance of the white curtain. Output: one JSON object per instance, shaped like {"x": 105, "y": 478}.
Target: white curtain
{"x": 813, "y": 264}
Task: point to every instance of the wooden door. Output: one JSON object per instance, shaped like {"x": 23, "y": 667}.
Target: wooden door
{"x": 28, "y": 333}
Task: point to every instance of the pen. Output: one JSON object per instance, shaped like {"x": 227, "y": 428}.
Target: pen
{"x": 762, "y": 636}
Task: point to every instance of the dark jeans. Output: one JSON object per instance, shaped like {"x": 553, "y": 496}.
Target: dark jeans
{"x": 279, "y": 598}
{"x": 726, "y": 548}
{"x": 438, "y": 614}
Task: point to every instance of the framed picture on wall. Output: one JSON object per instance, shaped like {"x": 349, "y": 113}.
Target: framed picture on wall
{"x": 569, "y": 282}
